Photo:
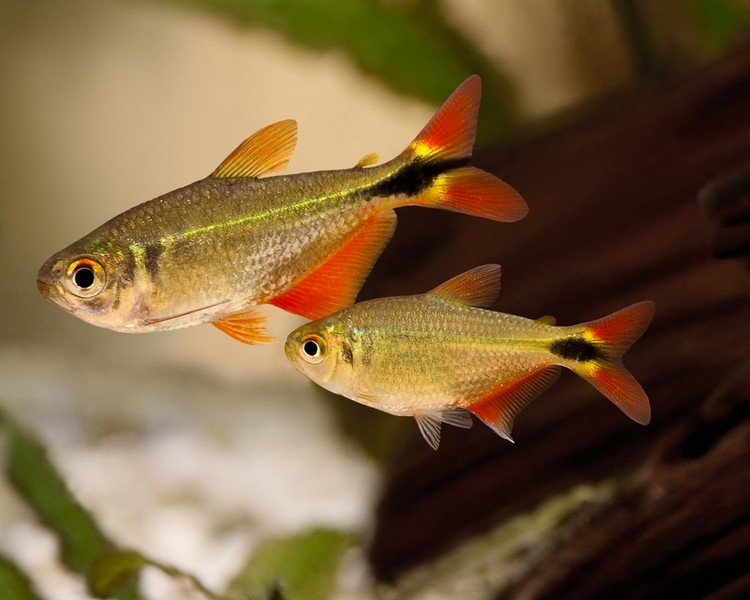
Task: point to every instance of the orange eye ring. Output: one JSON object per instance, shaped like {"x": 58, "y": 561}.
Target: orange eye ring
{"x": 85, "y": 277}
{"x": 312, "y": 348}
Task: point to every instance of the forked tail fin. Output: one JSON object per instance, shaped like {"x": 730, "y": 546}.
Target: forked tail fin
{"x": 437, "y": 172}
{"x": 607, "y": 340}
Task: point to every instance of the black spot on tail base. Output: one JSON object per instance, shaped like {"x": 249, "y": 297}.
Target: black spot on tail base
{"x": 416, "y": 177}
{"x": 575, "y": 348}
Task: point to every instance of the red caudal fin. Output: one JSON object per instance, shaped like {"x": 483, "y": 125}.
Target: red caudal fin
{"x": 439, "y": 157}
{"x": 451, "y": 132}
{"x": 475, "y": 192}
{"x": 610, "y": 337}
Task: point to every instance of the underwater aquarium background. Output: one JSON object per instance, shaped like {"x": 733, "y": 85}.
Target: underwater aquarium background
{"x": 186, "y": 447}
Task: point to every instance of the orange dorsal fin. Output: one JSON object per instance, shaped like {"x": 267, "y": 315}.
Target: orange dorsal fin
{"x": 266, "y": 151}
{"x": 478, "y": 287}
{"x": 335, "y": 284}
{"x": 248, "y": 327}
{"x": 499, "y": 408}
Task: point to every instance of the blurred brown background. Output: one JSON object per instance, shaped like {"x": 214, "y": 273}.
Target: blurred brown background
{"x": 609, "y": 117}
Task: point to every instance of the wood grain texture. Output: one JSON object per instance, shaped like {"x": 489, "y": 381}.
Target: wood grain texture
{"x": 614, "y": 219}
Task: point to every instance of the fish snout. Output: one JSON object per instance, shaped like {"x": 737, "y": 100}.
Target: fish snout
{"x": 45, "y": 288}
{"x": 48, "y": 277}
{"x": 45, "y": 284}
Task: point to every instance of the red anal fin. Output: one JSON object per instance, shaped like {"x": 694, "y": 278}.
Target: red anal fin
{"x": 335, "y": 284}
{"x": 499, "y": 408}
{"x": 248, "y": 327}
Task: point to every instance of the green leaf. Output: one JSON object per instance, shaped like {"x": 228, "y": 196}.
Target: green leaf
{"x": 115, "y": 571}
{"x": 14, "y": 583}
{"x": 690, "y": 31}
{"x": 111, "y": 572}
{"x": 408, "y": 45}
{"x": 33, "y": 475}
{"x": 718, "y": 22}
{"x": 299, "y": 567}
{"x": 37, "y": 481}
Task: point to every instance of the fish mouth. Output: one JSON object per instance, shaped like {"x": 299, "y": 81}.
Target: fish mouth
{"x": 49, "y": 290}
{"x": 46, "y": 289}
{"x": 47, "y": 278}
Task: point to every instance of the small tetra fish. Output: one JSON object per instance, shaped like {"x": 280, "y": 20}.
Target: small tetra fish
{"x": 214, "y": 250}
{"x": 439, "y": 356}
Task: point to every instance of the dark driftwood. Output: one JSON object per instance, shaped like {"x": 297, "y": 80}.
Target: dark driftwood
{"x": 615, "y": 218}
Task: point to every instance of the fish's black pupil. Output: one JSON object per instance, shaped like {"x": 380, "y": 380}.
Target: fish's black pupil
{"x": 310, "y": 348}
{"x": 84, "y": 278}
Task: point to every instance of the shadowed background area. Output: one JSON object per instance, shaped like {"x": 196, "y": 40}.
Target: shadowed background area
{"x": 649, "y": 240}
{"x": 186, "y": 450}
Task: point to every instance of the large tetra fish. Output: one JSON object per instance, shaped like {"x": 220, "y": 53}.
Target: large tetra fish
{"x": 215, "y": 249}
{"x": 440, "y": 356}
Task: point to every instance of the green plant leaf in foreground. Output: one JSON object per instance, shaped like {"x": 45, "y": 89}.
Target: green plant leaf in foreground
{"x": 37, "y": 481}
{"x": 110, "y": 571}
{"x": 114, "y": 571}
{"x": 410, "y": 46}
{"x": 120, "y": 569}
{"x": 718, "y": 23}
{"x": 14, "y": 583}
{"x": 299, "y": 567}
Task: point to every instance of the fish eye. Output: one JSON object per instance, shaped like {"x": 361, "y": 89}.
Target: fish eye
{"x": 312, "y": 349}
{"x": 85, "y": 278}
